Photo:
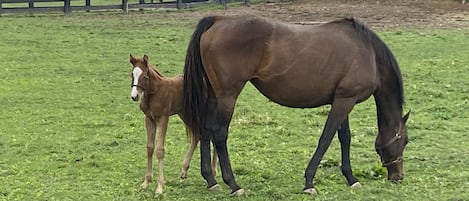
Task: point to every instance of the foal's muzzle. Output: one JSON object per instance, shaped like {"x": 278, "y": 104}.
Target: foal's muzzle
{"x": 134, "y": 94}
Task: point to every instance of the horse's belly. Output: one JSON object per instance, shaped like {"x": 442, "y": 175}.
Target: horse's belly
{"x": 297, "y": 96}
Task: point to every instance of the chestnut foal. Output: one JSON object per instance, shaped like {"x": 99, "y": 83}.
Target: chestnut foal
{"x": 160, "y": 98}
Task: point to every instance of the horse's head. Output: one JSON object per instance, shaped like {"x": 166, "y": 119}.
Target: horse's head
{"x": 390, "y": 147}
{"x": 139, "y": 75}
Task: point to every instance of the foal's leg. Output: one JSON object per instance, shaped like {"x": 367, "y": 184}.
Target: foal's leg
{"x": 344, "y": 138}
{"x": 162, "y": 125}
{"x": 151, "y": 128}
{"x": 341, "y": 107}
{"x": 188, "y": 157}
{"x": 214, "y": 161}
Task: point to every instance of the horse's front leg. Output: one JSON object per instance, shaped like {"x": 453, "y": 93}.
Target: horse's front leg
{"x": 151, "y": 128}
{"x": 162, "y": 125}
{"x": 341, "y": 107}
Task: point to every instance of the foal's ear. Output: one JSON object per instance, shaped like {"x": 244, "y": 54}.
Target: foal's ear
{"x": 406, "y": 116}
{"x": 132, "y": 59}
{"x": 145, "y": 59}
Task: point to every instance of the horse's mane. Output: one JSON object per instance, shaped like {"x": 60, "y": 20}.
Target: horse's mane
{"x": 384, "y": 56}
{"x": 154, "y": 70}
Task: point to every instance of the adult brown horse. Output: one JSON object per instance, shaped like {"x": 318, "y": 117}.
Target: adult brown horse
{"x": 341, "y": 63}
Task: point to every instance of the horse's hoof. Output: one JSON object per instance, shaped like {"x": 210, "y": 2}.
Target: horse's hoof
{"x": 356, "y": 185}
{"x": 239, "y": 192}
{"x": 310, "y": 191}
{"x": 182, "y": 178}
{"x": 158, "y": 194}
{"x": 144, "y": 185}
{"x": 215, "y": 187}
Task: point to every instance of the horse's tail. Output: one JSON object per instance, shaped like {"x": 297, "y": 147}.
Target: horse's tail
{"x": 384, "y": 56}
{"x": 196, "y": 83}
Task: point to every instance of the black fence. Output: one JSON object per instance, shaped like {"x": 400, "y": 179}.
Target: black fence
{"x": 67, "y": 8}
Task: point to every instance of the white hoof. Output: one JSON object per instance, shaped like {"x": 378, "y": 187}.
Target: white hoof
{"x": 356, "y": 185}
{"x": 158, "y": 194}
{"x": 159, "y": 191}
{"x": 144, "y": 185}
{"x": 238, "y": 193}
{"x": 215, "y": 187}
{"x": 310, "y": 191}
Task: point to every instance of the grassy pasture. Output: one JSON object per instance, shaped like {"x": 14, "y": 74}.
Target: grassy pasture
{"x": 69, "y": 131}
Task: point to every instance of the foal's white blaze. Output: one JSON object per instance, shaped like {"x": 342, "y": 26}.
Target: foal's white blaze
{"x": 136, "y": 73}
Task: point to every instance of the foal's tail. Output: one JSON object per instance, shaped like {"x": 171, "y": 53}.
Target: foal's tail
{"x": 384, "y": 56}
{"x": 196, "y": 83}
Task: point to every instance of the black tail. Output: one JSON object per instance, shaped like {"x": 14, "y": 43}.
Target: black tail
{"x": 196, "y": 83}
{"x": 384, "y": 56}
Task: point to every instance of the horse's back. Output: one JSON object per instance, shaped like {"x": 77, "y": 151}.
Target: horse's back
{"x": 293, "y": 65}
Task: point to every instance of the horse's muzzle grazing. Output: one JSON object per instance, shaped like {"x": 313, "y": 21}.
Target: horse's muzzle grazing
{"x": 395, "y": 172}
{"x": 135, "y": 98}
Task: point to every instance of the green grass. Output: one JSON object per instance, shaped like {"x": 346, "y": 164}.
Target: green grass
{"x": 69, "y": 131}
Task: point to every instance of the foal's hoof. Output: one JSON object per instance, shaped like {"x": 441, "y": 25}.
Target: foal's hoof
{"x": 215, "y": 187}
{"x": 356, "y": 185}
{"x": 310, "y": 191}
{"x": 239, "y": 192}
{"x": 158, "y": 194}
{"x": 144, "y": 185}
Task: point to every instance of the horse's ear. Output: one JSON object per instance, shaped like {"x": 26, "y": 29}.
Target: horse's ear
{"x": 132, "y": 59}
{"x": 406, "y": 116}
{"x": 145, "y": 59}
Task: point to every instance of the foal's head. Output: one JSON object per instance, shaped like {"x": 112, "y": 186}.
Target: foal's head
{"x": 139, "y": 75}
{"x": 391, "y": 150}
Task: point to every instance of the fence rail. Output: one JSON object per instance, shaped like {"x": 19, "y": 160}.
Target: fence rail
{"x": 67, "y": 8}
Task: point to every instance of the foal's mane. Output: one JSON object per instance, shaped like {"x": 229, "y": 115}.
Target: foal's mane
{"x": 154, "y": 70}
{"x": 384, "y": 56}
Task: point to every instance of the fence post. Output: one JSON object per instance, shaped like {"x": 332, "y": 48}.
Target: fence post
{"x": 88, "y": 5}
{"x": 125, "y": 6}
{"x": 247, "y": 3}
{"x": 31, "y": 6}
{"x": 179, "y": 4}
{"x": 1, "y": 1}
{"x": 223, "y": 2}
{"x": 141, "y": 2}
{"x": 67, "y": 7}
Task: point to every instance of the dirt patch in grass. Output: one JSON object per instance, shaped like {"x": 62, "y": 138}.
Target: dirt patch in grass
{"x": 438, "y": 14}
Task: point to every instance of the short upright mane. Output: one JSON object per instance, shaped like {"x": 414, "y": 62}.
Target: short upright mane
{"x": 155, "y": 70}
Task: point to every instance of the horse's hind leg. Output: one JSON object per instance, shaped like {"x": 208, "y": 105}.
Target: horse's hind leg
{"x": 217, "y": 122}
{"x": 341, "y": 107}
{"x": 162, "y": 125}
{"x": 344, "y": 138}
{"x": 151, "y": 128}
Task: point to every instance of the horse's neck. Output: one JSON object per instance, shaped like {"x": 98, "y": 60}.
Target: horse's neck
{"x": 389, "y": 113}
{"x": 389, "y": 98}
{"x": 164, "y": 95}
{"x": 156, "y": 80}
